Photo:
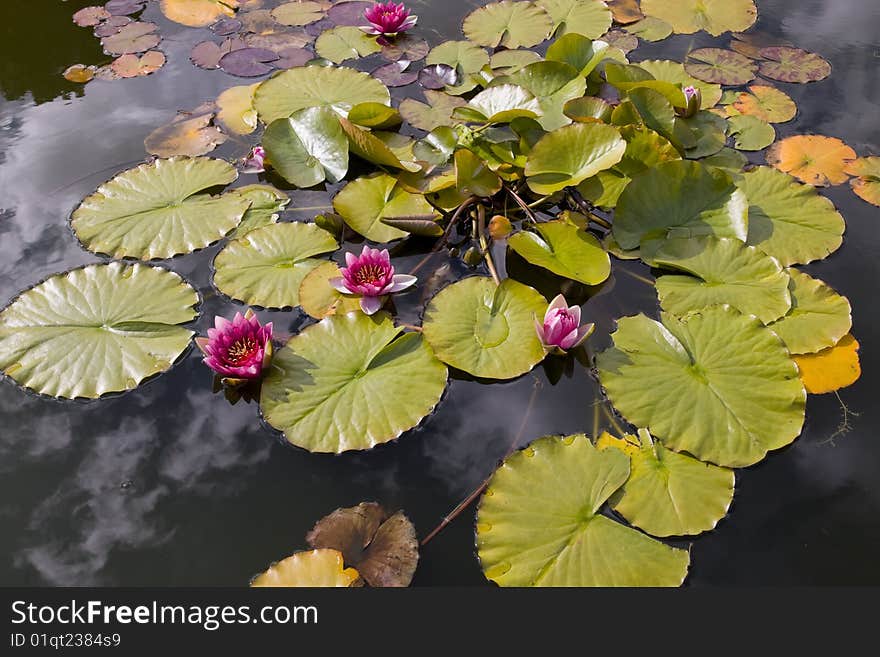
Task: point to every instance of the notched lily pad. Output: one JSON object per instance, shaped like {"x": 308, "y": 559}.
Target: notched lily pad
{"x": 832, "y": 368}
{"x": 185, "y": 135}
{"x": 564, "y": 249}
{"x": 319, "y": 299}
{"x": 866, "y": 184}
{"x": 813, "y": 159}
{"x": 508, "y": 24}
{"x": 381, "y": 546}
{"x": 591, "y": 18}
{"x": 750, "y": 133}
{"x": 318, "y": 568}
{"x": 248, "y": 62}
{"x": 793, "y": 65}
{"x": 133, "y": 38}
{"x": 713, "y": 16}
{"x": 720, "y": 66}
{"x": 766, "y": 103}
{"x": 197, "y": 13}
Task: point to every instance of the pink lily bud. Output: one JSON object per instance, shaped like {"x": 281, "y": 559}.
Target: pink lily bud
{"x": 371, "y": 276}
{"x": 561, "y": 329}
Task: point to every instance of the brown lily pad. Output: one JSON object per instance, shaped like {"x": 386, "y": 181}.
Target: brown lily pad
{"x": 89, "y": 16}
{"x": 132, "y": 38}
{"x": 382, "y": 548}
{"x": 185, "y": 135}
{"x": 813, "y": 159}
{"x": 132, "y": 66}
{"x": 793, "y": 65}
{"x": 619, "y": 39}
{"x": 625, "y": 11}
{"x": 405, "y": 46}
{"x": 720, "y": 66}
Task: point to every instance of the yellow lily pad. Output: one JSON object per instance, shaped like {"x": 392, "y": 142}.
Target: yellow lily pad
{"x": 832, "y": 368}
{"x": 316, "y": 568}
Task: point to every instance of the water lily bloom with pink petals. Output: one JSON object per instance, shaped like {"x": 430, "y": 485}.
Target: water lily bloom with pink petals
{"x": 371, "y": 276}
{"x": 255, "y": 162}
{"x": 561, "y": 329}
{"x": 388, "y": 19}
{"x": 239, "y": 349}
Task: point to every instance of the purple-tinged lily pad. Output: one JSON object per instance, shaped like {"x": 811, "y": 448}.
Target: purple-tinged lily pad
{"x": 720, "y": 66}
{"x": 226, "y": 26}
{"x": 396, "y": 74}
{"x": 438, "y": 76}
{"x": 619, "y": 39}
{"x": 132, "y": 66}
{"x": 349, "y": 13}
{"x": 133, "y": 38}
{"x": 248, "y": 62}
{"x": 89, "y": 16}
{"x": 293, "y": 57}
{"x": 751, "y": 43}
{"x": 111, "y": 26}
{"x": 259, "y": 21}
{"x": 124, "y": 7}
{"x": 207, "y": 54}
{"x": 793, "y": 65}
{"x": 293, "y": 38}
{"x": 404, "y": 46}
{"x": 319, "y": 27}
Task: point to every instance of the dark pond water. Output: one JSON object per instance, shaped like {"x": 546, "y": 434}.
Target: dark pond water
{"x": 171, "y": 485}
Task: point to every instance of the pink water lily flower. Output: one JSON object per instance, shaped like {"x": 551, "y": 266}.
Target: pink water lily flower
{"x": 238, "y": 350}
{"x": 255, "y": 162}
{"x": 371, "y": 276}
{"x": 561, "y": 329}
{"x": 388, "y": 19}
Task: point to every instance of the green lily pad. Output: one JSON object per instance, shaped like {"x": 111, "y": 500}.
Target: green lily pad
{"x": 505, "y": 62}
{"x": 379, "y": 147}
{"x": 652, "y": 109}
{"x": 590, "y": 18}
{"x": 374, "y": 116}
{"x": 766, "y": 103}
{"x": 95, "y": 330}
{"x": 266, "y": 203}
{"x": 720, "y": 66}
{"x": 465, "y": 57}
{"x": 577, "y": 51}
{"x": 789, "y": 220}
{"x": 750, "y": 133}
{"x": 650, "y": 29}
{"x": 298, "y": 13}
{"x": 721, "y": 271}
{"x": 667, "y": 493}
{"x": 539, "y": 524}
{"x": 571, "y": 154}
{"x": 484, "y": 329}
{"x": 502, "y": 104}
{"x": 793, "y": 65}
{"x": 308, "y": 147}
{"x": 866, "y": 183}
{"x": 709, "y": 131}
{"x": 509, "y": 24}
{"x": 473, "y": 177}
{"x": 339, "y": 88}
{"x": 565, "y": 250}
{"x": 345, "y": 42}
{"x": 716, "y": 384}
{"x": 727, "y": 158}
{"x": 553, "y": 84}
{"x": 365, "y": 201}
{"x": 713, "y": 16}
{"x": 156, "y": 210}
{"x": 680, "y": 199}
{"x": 236, "y": 109}
{"x": 437, "y": 112}
{"x": 588, "y": 109}
{"x": 351, "y": 382}
{"x": 319, "y": 299}
{"x": 673, "y": 72}
{"x": 266, "y": 266}
{"x": 819, "y": 316}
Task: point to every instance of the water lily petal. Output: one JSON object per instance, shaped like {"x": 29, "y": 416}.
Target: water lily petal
{"x": 339, "y": 283}
{"x": 401, "y": 282}
{"x": 371, "y": 304}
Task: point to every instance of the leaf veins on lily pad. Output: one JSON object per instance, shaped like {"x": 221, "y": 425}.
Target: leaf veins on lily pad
{"x": 793, "y": 65}
{"x": 813, "y": 159}
{"x": 713, "y": 16}
{"x": 720, "y": 66}
{"x": 133, "y": 38}
{"x": 132, "y": 66}
{"x": 124, "y": 7}
{"x": 381, "y": 546}
{"x": 867, "y": 184}
{"x": 509, "y": 24}
{"x": 766, "y": 103}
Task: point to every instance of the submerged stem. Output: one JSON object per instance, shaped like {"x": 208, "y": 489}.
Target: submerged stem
{"x": 466, "y": 502}
{"x": 522, "y": 204}
{"x": 470, "y": 200}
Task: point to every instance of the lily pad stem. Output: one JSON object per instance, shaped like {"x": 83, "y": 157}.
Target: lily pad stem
{"x": 484, "y": 244}
{"x": 582, "y": 205}
{"x": 452, "y": 221}
{"x": 522, "y": 204}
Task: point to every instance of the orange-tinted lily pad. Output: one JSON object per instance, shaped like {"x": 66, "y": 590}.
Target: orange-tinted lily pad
{"x": 720, "y": 66}
{"x": 132, "y": 66}
{"x": 197, "y": 13}
{"x": 79, "y": 73}
{"x": 766, "y": 103}
{"x": 867, "y": 184}
{"x": 185, "y": 135}
{"x": 832, "y": 368}
{"x": 813, "y": 159}
{"x": 89, "y": 16}
{"x": 793, "y": 65}
{"x": 625, "y": 11}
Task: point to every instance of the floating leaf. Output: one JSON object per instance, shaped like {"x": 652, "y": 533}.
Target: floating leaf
{"x": 298, "y": 13}
{"x": 508, "y": 24}
{"x": 226, "y": 26}
{"x": 185, "y": 136}
{"x": 625, "y": 11}
{"x": 716, "y": 384}
{"x": 248, "y": 62}
{"x": 79, "y": 73}
{"x": 95, "y": 330}
{"x": 316, "y": 86}
{"x": 750, "y": 133}
{"x": 565, "y": 250}
{"x": 578, "y": 52}
{"x": 405, "y": 47}
{"x": 266, "y": 267}
{"x": 623, "y": 41}
{"x": 553, "y": 84}
{"x": 720, "y": 66}
{"x": 464, "y": 58}
{"x": 669, "y": 494}
{"x": 348, "y": 13}
{"x": 89, "y": 16}
{"x": 766, "y": 103}
{"x": 374, "y": 115}
{"x": 813, "y": 159}
{"x": 727, "y": 158}
{"x": 156, "y": 210}
{"x": 505, "y": 62}
{"x": 590, "y": 18}
{"x": 484, "y": 329}
{"x": 721, "y": 271}
{"x": 473, "y": 176}
{"x": 708, "y": 129}
{"x": 308, "y": 147}
{"x": 131, "y": 39}
{"x": 502, "y": 104}
{"x": 650, "y": 29}
{"x": 832, "y": 368}
{"x": 132, "y": 66}
{"x": 346, "y": 42}
{"x": 680, "y": 199}
{"x": 571, "y": 154}
{"x": 788, "y": 220}
{"x": 713, "y": 16}
{"x": 382, "y": 547}
{"x": 124, "y": 7}
{"x": 867, "y": 184}
{"x": 364, "y": 202}
{"x": 319, "y": 299}
{"x": 292, "y": 57}
{"x": 236, "y": 109}
{"x": 587, "y": 109}
{"x": 669, "y": 71}
{"x": 818, "y": 319}
{"x": 382, "y": 148}
{"x": 197, "y": 13}
{"x": 438, "y": 76}
{"x": 351, "y": 382}
{"x": 539, "y": 524}
{"x": 793, "y": 65}
{"x": 309, "y": 569}
{"x": 396, "y": 74}
{"x": 207, "y": 54}
{"x": 266, "y": 203}
{"x": 751, "y": 43}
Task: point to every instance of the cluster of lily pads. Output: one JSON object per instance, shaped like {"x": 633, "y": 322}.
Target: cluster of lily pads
{"x": 563, "y": 157}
